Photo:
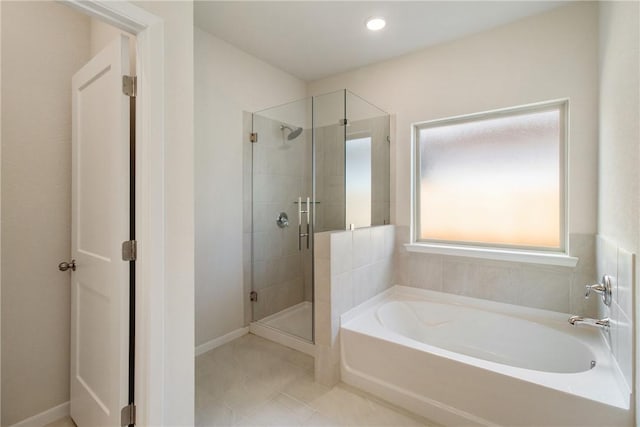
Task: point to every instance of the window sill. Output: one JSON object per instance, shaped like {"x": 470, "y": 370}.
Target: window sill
{"x": 532, "y": 257}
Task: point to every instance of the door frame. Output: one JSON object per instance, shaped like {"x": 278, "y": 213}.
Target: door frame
{"x": 150, "y": 216}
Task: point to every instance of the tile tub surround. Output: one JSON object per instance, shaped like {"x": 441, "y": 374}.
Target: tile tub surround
{"x": 619, "y": 264}
{"x": 538, "y": 286}
{"x": 350, "y": 267}
{"x": 254, "y": 382}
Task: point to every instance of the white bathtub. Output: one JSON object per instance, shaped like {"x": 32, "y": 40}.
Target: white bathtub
{"x": 464, "y": 361}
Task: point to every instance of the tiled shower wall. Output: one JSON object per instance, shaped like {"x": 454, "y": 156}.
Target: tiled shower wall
{"x": 281, "y": 272}
{"x": 330, "y": 193}
{"x": 540, "y": 286}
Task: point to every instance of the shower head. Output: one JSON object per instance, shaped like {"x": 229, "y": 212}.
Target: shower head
{"x": 293, "y": 133}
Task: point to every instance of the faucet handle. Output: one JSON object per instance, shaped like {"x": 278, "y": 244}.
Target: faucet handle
{"x": 603, "y": 289}
{"x": 597, "y": 288}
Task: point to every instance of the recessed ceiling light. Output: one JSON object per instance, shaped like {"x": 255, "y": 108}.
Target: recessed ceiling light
{"x": 376, "y": 23}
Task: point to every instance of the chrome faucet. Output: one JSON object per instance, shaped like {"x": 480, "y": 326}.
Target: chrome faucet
{"x": 577, "y": 320}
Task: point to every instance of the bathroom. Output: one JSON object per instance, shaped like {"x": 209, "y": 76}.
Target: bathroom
{"x": 558, "y": 54}
{"x": 296, "y": 266}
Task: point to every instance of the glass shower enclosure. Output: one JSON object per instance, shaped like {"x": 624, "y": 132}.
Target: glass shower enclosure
{"x": 317, "y": 164}
{"x": 282, "y": 241}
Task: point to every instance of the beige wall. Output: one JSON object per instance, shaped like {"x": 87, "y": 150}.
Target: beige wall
{"x": 618, "y": 201}
{"x": 228, "y": 82}
{"x": 175, "y": 405}
{"x": 38, "y": 298}
{"x": 548, "y": 56}
{"x": 102, "y": 34}
{"x": 619, "y": 175}
{"x": 43, "y": 45}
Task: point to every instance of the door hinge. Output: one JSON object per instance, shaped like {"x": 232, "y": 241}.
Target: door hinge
{"x": 253, "y": 296}
{"x": 129, "y": 250}
{"x": 130, "y": 85}
{"x": 343, "y": 122}
{"x": 128, "y": 415}
{"x": 254, "y": 137}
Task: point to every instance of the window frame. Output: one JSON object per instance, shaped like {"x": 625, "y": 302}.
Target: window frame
{"x": 491, "y": 250}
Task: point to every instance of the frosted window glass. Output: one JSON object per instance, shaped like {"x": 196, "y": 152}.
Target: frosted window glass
{"x": 492, "y": 181}
{"x": 358, "y": 182}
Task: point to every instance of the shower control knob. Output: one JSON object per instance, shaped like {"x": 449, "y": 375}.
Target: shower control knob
{"x": 282, "y": 220}
{"x": 64, "y": 266}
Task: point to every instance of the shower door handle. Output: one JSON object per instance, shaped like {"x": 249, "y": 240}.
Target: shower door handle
{"x": 300, "y": 212}
{"x": 308, "y": 214}
{"x": 299, "y": 223}
{"x": 300, "y": 237}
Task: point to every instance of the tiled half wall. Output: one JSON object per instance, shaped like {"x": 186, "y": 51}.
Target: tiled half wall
{"x": 350, "y": 267}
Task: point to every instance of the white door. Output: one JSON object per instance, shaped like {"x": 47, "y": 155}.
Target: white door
{"x": 100, "y": 223}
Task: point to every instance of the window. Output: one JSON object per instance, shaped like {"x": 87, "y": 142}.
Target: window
{"x": 493, "y": 179}
{"x": 358, "y": 181}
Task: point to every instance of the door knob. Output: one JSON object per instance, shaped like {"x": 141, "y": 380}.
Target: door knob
{"x": 64, "y": 266}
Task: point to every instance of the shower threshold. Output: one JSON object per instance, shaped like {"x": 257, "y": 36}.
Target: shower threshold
{"x": 291, "y": 327}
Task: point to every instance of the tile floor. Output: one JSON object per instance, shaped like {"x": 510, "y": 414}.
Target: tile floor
{"x": 255, "y": 382}
{"x": 62, "y": 422}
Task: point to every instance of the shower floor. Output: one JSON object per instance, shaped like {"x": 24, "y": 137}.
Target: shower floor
{"x": 295, "y": 320}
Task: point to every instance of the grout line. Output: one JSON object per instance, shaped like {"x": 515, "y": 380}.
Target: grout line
{"x": 298, "y": 401}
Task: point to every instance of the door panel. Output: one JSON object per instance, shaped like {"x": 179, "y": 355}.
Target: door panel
{"x": 100, "y": 223}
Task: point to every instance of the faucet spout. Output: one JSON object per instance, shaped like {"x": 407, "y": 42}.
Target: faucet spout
{"x": 577, "y": 320}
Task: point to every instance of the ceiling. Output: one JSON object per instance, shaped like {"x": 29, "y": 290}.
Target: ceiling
{"x": 316, "y": 39}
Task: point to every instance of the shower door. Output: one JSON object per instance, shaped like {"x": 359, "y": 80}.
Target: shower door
{"x": 282, "y": 219}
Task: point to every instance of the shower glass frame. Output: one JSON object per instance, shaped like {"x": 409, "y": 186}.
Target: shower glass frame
{"x": 289, "y": 180}
{"x": 326, "y": 130}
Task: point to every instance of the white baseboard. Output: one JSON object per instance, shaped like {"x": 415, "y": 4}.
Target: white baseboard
{"x": 46, "y": 417}
{"x": 217, "y": 342}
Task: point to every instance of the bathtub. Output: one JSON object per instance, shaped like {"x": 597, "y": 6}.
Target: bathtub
{"x": 464, "y": 361}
